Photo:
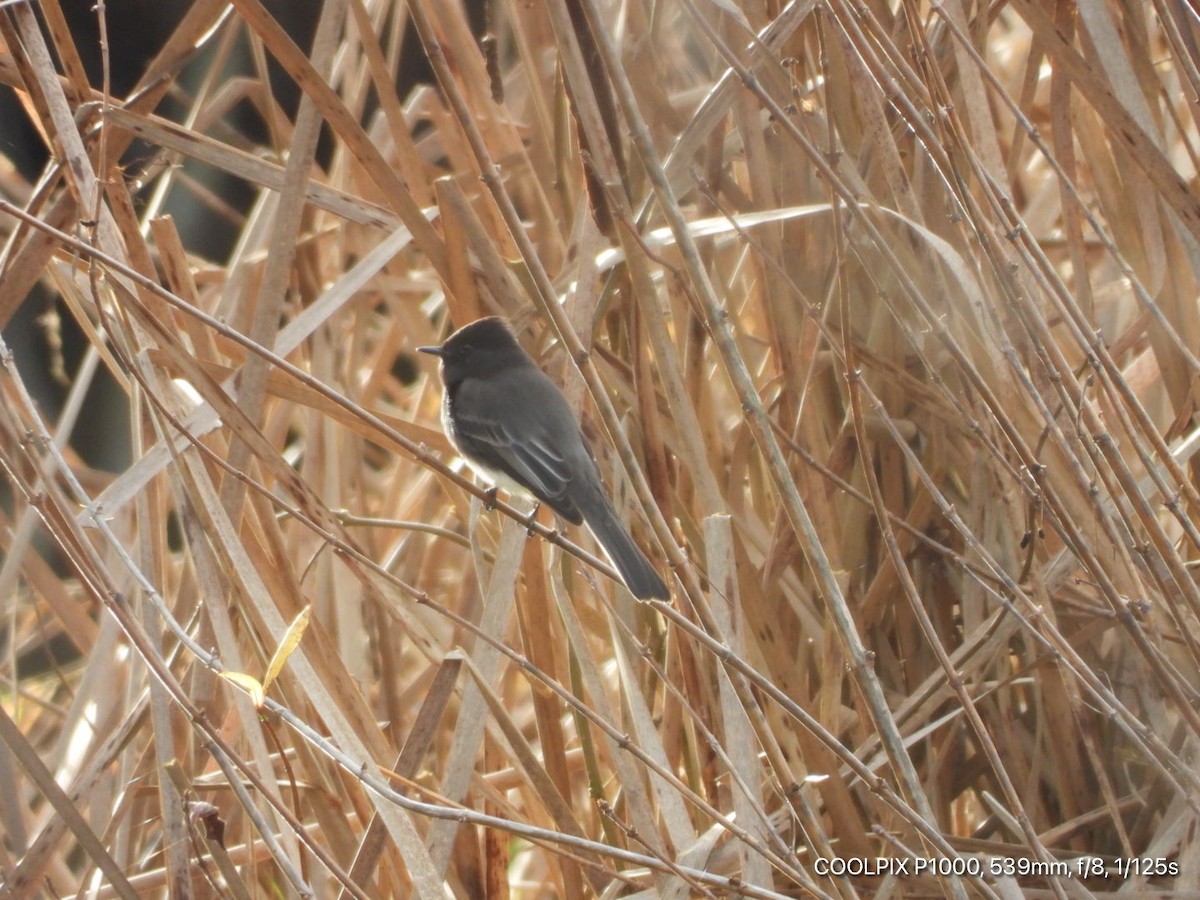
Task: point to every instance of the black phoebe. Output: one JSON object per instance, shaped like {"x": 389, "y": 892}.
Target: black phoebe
{"x": 514, "y": 427}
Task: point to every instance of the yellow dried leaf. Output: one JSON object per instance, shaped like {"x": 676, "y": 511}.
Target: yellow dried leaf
{"x": 291, "y": 640}
{"x": 249, "y": 684}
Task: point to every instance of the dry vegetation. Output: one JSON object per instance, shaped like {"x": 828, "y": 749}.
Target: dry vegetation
{"x": 883, "y": 322}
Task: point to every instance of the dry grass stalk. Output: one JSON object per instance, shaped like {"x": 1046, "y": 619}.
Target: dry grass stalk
{"x": 882, "y": 321}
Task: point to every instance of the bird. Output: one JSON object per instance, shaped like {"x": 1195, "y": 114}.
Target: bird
{"x": 514, "y": 428}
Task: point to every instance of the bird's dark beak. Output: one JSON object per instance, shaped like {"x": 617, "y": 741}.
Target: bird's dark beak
{"x": 432, "y": 351}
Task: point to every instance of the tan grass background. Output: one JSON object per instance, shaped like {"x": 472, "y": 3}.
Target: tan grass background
{"x": 882, "y": 317}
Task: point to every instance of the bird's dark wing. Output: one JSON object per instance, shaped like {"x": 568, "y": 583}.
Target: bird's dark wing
{"x": 512, "y": 434}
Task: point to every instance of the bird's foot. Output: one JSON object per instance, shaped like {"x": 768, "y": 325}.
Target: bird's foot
{"x": 531, "y": 519}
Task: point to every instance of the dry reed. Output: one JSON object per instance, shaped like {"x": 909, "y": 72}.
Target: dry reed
{"x": 882, "y": 317}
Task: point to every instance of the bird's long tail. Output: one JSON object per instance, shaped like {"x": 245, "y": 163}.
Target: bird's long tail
{"x": 635, "y": 570}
